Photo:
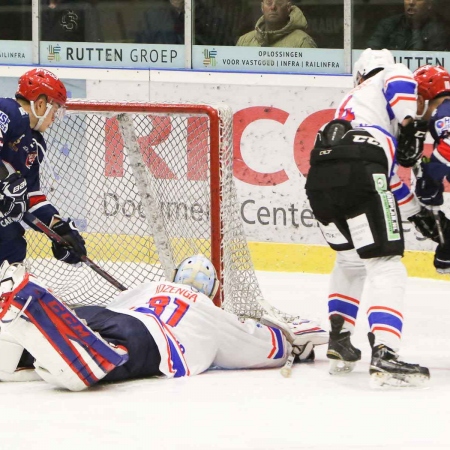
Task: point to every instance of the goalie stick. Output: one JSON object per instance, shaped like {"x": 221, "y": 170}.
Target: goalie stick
{"x": 286, "y": 370}
{"x": 32, "y": 219}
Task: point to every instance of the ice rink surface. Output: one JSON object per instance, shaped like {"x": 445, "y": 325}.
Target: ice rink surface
{"x": 256, "y": 409}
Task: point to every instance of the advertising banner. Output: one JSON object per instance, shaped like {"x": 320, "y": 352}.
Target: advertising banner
{"x": 267, "y": 59}
{"x": 16, "y": 52}
{"x": 138, "y": 56}
{"x": 274, "y": 132}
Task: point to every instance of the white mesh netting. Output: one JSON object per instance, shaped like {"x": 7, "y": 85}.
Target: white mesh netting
{"x": 148, "y": 185}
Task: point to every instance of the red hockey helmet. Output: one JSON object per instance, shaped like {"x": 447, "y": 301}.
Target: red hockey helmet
{"x": 38, "y": 82}
{"x": 432, "y": 81}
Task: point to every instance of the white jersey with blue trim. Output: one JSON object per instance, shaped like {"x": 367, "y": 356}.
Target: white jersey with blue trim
{"x": 382, "y": 101}
{"x": 192, "y": 334}
{"x": 378, "y": 105}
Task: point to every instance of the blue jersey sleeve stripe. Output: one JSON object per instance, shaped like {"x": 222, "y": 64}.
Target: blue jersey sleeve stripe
{"x": 399, "y": 87}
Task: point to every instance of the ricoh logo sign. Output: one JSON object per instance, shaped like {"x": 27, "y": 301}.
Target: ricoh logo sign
{"x": 191, "y": 137}
{"x": 194, "y": 140}
{"x": 269, "y": 177}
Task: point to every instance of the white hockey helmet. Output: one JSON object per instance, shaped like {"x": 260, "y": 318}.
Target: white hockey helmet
{"x": 370, "y": 60}
{"x": 198, "y": 271}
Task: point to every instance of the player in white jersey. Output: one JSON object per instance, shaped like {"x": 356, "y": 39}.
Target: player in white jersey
{"x": 158, "y": 328}
{"x": 353, "y": 166}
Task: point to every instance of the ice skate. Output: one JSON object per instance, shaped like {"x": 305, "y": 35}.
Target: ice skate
{"x": 387, "y": 370}
{"x": 341, "y": 353}
{"x": 302, "y": 334}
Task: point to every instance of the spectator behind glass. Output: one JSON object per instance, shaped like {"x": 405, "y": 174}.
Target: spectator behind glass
{"x": 282, "y": 25}
{"x": 69, "y": 20}
{"x": 417, "y": 28}
{"x": 163, "y": 23}
{"x": 15, "y": 20}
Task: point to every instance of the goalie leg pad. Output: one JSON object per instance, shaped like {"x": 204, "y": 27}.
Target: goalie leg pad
{"x": 10, "y": 353}
{"x": 73, "y": 355}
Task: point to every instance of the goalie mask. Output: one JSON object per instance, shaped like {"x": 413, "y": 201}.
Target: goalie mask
{"x": 368, "y": 61}
{"x": 198, "y": 271}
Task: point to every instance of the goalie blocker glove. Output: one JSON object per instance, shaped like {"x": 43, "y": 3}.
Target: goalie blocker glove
{"x": 14, "y": 198}
{"x": 410, "y": 142}
{"x": 69, "y": 232}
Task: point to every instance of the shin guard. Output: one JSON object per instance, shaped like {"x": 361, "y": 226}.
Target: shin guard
{"x": 67, "y": 352}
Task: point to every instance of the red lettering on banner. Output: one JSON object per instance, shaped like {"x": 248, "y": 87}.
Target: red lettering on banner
{"x": 197, "y": 144}
{"x": 242, "y": 171}
{"x": 161, "y": 128}
{"x": 306, "y": 135}
{"x": 113, "y": 149}
{"x": 197, "y": 148}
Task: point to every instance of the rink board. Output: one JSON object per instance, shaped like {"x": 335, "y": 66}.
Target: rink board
{"x": 266, "y": 256}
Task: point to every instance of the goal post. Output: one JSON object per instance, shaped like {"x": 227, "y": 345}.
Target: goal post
{"x": 148, "y": 185}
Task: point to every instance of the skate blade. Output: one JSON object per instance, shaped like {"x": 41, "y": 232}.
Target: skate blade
{"x": 339, "y": 367}
{"x": 388, "y": 380}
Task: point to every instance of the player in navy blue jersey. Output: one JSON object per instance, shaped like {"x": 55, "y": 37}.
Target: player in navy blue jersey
{"x": 40, "y": 99}
{"x": 434, "y": 105}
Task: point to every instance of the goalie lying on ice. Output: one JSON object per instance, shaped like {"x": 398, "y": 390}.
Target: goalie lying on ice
{"x": 163, "y": 328}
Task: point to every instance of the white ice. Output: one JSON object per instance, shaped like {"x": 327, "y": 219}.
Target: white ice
{"x": 256, "y": 409}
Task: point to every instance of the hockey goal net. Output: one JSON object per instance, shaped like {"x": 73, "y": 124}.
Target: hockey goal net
{"x": 148, "y": 185}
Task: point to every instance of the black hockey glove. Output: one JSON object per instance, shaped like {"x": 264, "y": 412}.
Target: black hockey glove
{"x": 430, "y": 191}
{"x": 410, "y": 142}
{"x": 430, "y": 176}
{"x": 69, "y": 254}
{"x": 14, "y": 199}
{"x": 426, "y": 224}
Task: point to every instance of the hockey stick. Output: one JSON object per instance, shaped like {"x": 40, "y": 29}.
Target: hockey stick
{"x": 32, "y": 219}
{"x": 286, "y": 370}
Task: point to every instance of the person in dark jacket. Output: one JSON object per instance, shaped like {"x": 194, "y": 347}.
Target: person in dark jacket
{"x": 70, "y": 21}
{"x": 418, "y": 28}
{"x": 163, "y": 23}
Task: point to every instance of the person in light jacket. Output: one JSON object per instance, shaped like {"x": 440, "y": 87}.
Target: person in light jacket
{"x": 282, "y": 25}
